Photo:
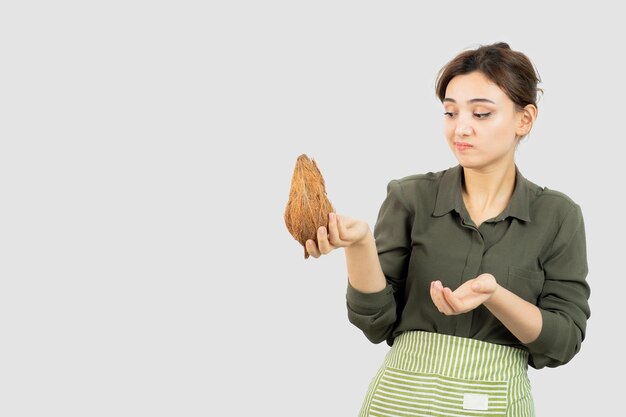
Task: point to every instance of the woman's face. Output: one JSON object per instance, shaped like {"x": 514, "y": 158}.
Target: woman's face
{"x": 481, "y": 122}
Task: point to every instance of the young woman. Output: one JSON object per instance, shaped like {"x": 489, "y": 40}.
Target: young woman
{"x": 474, "y": 272}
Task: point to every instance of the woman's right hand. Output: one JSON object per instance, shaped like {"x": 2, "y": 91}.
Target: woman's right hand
{"x": 342, "y": 232}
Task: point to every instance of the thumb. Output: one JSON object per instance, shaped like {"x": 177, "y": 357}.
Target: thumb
{"x": 484, "y": 284}
{"x": 341, "y": 228}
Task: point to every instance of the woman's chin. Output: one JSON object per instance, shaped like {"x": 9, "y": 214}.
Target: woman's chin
{"x": 466, "y": 162}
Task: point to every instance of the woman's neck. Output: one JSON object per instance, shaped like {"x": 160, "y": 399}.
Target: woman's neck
{"x": 487, "y": 193}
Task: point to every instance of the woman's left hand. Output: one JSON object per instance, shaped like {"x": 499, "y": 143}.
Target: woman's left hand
{"x": 465, "y": 298}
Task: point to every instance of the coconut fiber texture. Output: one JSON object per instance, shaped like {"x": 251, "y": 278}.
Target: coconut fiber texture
{"x": 307, "y": 207}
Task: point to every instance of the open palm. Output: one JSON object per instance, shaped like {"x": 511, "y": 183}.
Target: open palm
{"x": 467, "y": 297}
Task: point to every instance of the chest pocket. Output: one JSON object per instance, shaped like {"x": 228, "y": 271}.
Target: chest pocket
{"x": 525, "y": 283}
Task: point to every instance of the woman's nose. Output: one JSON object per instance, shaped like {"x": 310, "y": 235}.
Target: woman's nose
{"x": 463, "y": 129}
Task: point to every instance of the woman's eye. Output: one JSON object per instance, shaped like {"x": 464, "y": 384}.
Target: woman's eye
{"x": 481, "y": 115}
{"x": 448, "y": 114}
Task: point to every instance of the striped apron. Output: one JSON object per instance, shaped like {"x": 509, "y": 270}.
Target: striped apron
{"x": 430, "y": 374}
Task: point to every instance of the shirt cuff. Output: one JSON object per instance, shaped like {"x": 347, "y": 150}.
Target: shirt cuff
{"x": 368, "y": 303}
{"x": 547, "y": 337}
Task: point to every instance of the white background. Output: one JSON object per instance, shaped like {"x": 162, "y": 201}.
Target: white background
{"x": 146, "y": 153}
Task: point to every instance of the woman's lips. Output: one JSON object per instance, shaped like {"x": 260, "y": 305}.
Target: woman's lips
{"x": 462, "y": 146}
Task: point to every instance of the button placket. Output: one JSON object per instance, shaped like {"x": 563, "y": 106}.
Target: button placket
{"x": 472, "y": 268}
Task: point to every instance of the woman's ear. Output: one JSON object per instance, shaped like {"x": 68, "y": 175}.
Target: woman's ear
{"x": 526, "y": 120}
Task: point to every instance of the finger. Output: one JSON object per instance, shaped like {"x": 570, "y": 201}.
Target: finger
{"x": 445, "y": 305}
{"x": 311, "y": 247}
{"x": 453, "y": 301}
{"x": 346, "y": 235}
{"x": 322, "y": 241}
{"x": 433, "y": 296}
{"x": 333, "y": 232}
{"x": 432, "y": 290}
{"x": 341, "y": 229}
{"x": 438, "y": 298}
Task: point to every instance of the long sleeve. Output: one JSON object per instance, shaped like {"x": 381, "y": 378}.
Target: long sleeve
{"x": 564, "y": 299}
{"x": 376, "y": 313}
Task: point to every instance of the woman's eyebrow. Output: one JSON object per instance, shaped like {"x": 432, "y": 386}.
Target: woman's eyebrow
{"x": 474, "y": 100}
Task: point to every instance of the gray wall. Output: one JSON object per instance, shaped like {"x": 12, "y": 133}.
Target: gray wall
{"x": 145, "y": 163}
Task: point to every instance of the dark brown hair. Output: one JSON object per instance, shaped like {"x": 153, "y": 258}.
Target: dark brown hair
{"x": 510, "y": 70}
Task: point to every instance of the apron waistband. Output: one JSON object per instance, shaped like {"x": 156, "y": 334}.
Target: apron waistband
{"x": 456, "y": 357}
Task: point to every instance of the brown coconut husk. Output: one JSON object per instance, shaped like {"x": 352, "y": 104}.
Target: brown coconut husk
{"x": 308, "y": 207}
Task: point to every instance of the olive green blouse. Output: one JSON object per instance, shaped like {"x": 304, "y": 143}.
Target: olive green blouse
{"x": 535, "y": 248}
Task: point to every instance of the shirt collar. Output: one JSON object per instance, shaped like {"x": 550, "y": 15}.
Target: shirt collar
{"x": 449, "y": 196}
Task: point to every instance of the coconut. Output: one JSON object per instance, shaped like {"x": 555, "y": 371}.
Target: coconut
{"x": 308, "y": 206}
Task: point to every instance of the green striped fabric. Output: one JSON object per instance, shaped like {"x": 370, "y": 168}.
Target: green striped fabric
{"x": 430, "y": 374}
